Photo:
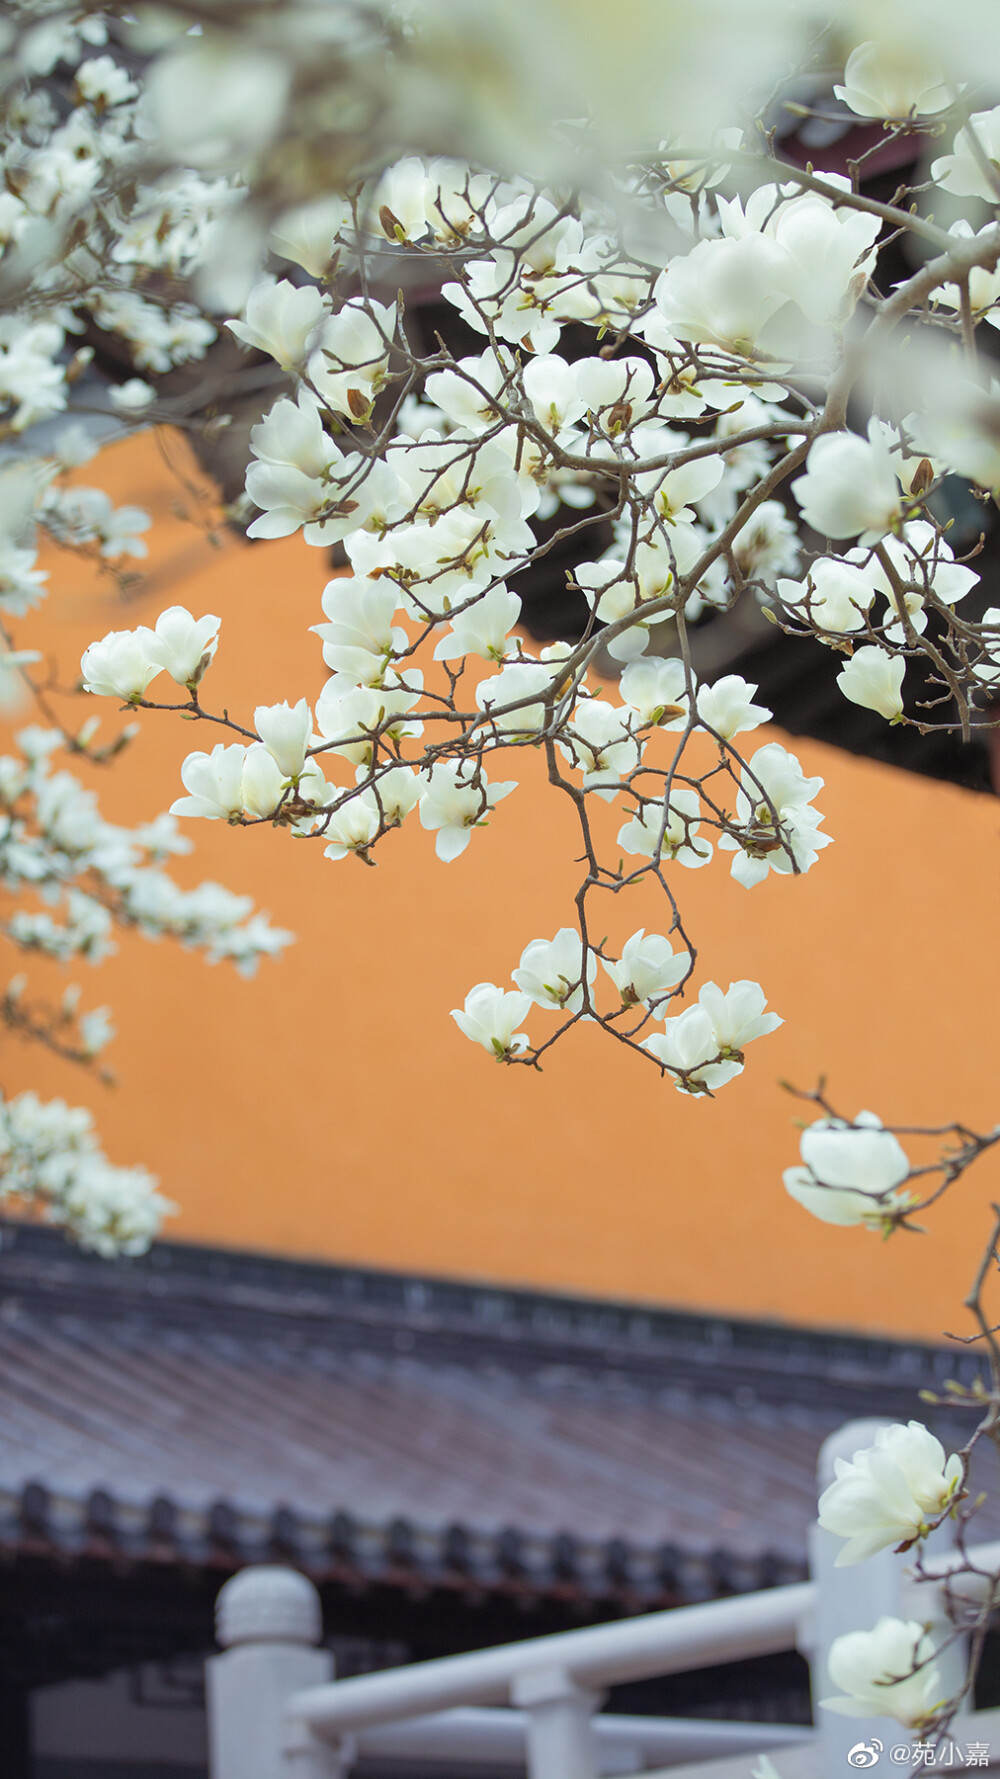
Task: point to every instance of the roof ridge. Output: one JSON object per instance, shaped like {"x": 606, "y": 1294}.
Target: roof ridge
{"x": 468, "y": 1322}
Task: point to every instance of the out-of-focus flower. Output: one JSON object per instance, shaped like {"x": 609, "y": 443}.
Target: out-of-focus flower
{"x": 852, "y": 1173}
{"x": 896, "y": 80}
{"x": 131, "y": 397}
{"x": 963, "y": 171}
{"x": 887, "y": 1493}
{"x": 216, "y": 101}
{"x": 886, "y": 1672}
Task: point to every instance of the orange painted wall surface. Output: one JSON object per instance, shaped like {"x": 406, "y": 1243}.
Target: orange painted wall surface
{"x": 330, "y": 1108}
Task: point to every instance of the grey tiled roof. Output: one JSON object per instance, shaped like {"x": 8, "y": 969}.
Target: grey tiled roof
{"x": 177, "y": 1409}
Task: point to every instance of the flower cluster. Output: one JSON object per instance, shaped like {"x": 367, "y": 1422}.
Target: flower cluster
{"x": 712, "y": 396}
{"x": 49, "y": 1155}
{"x": 890, "y": 1494}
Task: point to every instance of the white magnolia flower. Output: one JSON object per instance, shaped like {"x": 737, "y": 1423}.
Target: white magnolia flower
{"x": 676, "y": 492}
{"x": 101, "y": 83}
{"x": 956, "y": 429}
{"x": 483, "y": 628}
{"x": 292, "y": 433}
{"x": 455, "y": 798}
{"x": 851, "y": 485}
{"x": 656, "y": 689}
{"x": 215, "y": 784}
{"x": 282, "y": 319}
{"x": 352, "y": 828}
{"x": 262, "y": 784}
{"x": 285, "y": 731}
{"x": 886, "y": 1672}
{"x": 307, "y": 234}
{"x": 119, "y": 528}
{"x": 923, "y": 563}
{"x": 874, "y": 679}
{"x": 96, "y": 1030}
{"x": 983, "y": 283}
{"x": 132, "y": 396}
{"x": 599, "y": 741}
{"x": 505, "y": 697}
{"x": 723, "y": 293}
{"x": 440, "y": 565}
{"x": 897, "y": 78}
{"x": 835, "y": 595}
{"x": 335, "y": 499}
{"x": 551, "y": 386}
{"x": 489, "y": 1018}
{"x": 87, "y": 515}
{"x": 828, "y": 256}
{"x": 615, "y": 392}
{"x": 852, "y": 1173}
{"x": 681, "y": 838}
{"x": 73, "y": 446}
{"x": 398, "y": 203}
{"x": 12, "y": 685}
{"x": 616, "y": 590}
{"x": 468, "y": 394}
{"x": 181, "y": 644}
{"x": 551, "y": 971}
{"x": 962, "y": 171}
{"x": 110, "y": 1210}
{"x": 21, "y": 485}
{"x": 439, "y": 474}
{"x": 351, "y": 356}
{"x": 688, "y": 1048}
{"x": 349, "y": 721}
{"x": 454, "y": 198}
{"x": 738, "y": 1016}
{"x": 779, "y": 829}
{"x": 648, "y": 970}
{"x": 395, "y": 792}
{"x": 727, "y": 707}
{"x": 360, "y": 638}
{"x": 22, "y": 584}
{"x": 119, "y": 666}
{"x": 887, "y": 1493}
{"x": 216, "y": 100}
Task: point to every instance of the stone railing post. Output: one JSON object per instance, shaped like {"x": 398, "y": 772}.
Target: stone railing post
{"x": 561, "y": 1742}
{"x": 268, "y": 1621}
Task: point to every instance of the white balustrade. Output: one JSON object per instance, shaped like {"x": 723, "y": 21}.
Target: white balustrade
{"x": 276, "y": 1713}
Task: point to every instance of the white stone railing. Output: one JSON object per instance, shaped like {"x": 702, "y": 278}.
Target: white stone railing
{"x": 276, "y": 1713}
